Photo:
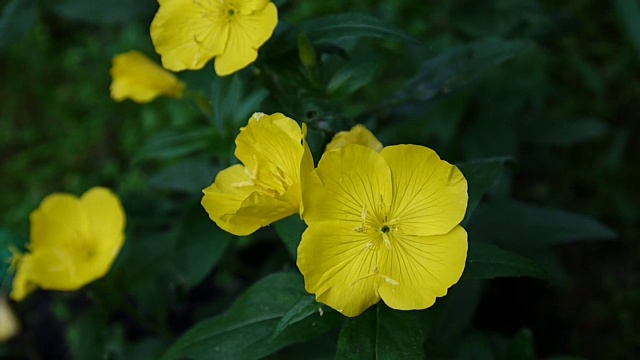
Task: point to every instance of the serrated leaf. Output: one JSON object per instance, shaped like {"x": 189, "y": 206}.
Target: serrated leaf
{"x": 525, "y": 224}
{"x": 460, "y": 65}
{"x": 486, "y": 261}
{"x": 481, "y": 175}
{"x": 384, "y": 333}
{"x": 174, "y": 144}
{"x": 244, "y": 331}
{"x": 304, "y": 308}
{"x": 18, "y": 17}
{"x": 290, "y": 231}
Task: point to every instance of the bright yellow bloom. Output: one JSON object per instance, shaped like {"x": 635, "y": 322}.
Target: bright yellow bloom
{"x": 136, "y": 77}
{"x": 383, "y": 225}
{"x": 189, "y": 33}
{"x": 358, "y": 134}
{"x": 268, "y": 187}
{"x": 9, "y": 323}
{"x": 74, "y": 241}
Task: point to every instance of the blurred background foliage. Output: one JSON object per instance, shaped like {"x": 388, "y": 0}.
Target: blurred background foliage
{"x": 551, "y": 87}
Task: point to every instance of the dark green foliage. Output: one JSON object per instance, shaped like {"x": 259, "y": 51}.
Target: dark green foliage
{"x": 535, "y": 101}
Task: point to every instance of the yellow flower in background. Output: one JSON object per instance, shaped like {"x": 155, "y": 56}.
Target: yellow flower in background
{"x": 74, "y": 241}
{"x": 189, "y": 33}
{"x": 134, "y": 76}
{"x": 383, "y": 226}
{"x": 268, "y": 187}
{"x": 358, "y": 134}
{"x": 9, "y": 323}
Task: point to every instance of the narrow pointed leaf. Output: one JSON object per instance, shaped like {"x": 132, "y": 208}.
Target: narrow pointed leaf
{"x": 486, "y": 261}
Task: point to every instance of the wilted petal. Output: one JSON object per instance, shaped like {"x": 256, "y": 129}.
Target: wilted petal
{"x": 429, "y": 194}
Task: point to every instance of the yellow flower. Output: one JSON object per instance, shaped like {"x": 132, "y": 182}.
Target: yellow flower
{"x": 189, "y": 33}
{"x": 383, "y": 226}
{"x": 9, "y": 324}
{"x": 358, "y": 134}
{"x": 74, "y": 241}
{"x": 136, "y": 77}
{"x": 268, "y": 187}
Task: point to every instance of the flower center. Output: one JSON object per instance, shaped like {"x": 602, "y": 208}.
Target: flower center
{"x": 385, "y": 229}
{"x": 216, "y": 10}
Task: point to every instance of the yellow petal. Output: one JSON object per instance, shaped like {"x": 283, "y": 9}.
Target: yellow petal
{"x": 136, "y": 77}
{"x": 247, "y": 32}
{"x": 187, "y": 34}
{"x": 306, "y": 166}
{"x": 270, "y": 147}
{"x": 351, "y": 183}
{"x": 359, "y": 134}
{"x": 58, "y": 221}
{"x": 106, "y": 219}
{"x": 247, "y": 6}
{"x": 239, "y": 207}
{"x": 63, "y": 269}
{"x": 9, "y": 323}
{"x": 73, "y": 241}
{"x": 421, "y": 268}
{"x": 22, "y": 284}
{"x": 339, "y": 266}
{"x": 429, "y": 194}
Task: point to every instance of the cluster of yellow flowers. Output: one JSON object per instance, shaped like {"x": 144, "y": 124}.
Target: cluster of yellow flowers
{"x": 383, "y": 222}
{"x": 188, "y": 34}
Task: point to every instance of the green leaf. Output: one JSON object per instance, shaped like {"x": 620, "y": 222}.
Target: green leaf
{"x": 383, "y": 333}
{"x": 485, "y": 261}
{"x": 245, "y": 330}
{"x": 525, "y": 224}
{"x": 304, "y": 308}
{"x": 629, "y": 15}
{"x": 346, "y": 26}
{"x": 199, "y": 247}
{"x": 567, "y": 133}
{"x": 18, "y": 18}
{"x": 231, "y": 106}
{"x": 189, "y": 176}
{"x": 290, "y": 231}
{"x": 521, "y": 346}
{"x": 460, "y": 65}
{"x": 334, "y": 28}
{"x": 481, "y": 175}
{"x": 173, "y": 144}
{"x": 104, "y": 12}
